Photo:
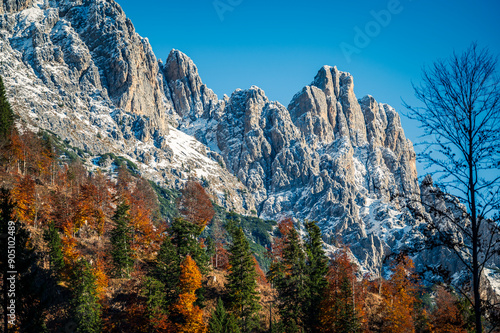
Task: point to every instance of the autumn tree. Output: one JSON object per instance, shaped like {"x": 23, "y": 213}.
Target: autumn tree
{"x": 317, "y": 269}
{"x": 222, "y": 321}
{"x": 195, "y": 205}
{"x": 242, "y": 284}
{"x": 186, "y": 316}
{"x": 121, "y": 239}
{"x": 85, "y": 306}
{"x": 340, "y": 306}
{"x": 447, "y": 317}
{"x": 460, "y": 115}
{"x": 401, "y": 297}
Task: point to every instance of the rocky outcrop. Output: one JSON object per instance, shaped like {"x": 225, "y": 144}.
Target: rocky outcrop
{"x": 79, "y": 69}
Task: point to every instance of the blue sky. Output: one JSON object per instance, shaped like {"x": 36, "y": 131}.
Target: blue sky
{"x": 280, "y": 45}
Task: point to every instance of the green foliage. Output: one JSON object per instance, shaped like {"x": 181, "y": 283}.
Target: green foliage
{"x": 222, "y": 321}
{"x": 316, "y": 269}
{"x": 86, "y": 310}
{"x": 242, "y": 283}
{"x": 185, "y": 238}
{"x": 155, "y": 298}
{"x": 6, "y": 114}
{"x": 51, "y": 236}
{"x": 167, "y": 199}
{"x": 167, "y": 271}
{"x": 291, "y": 281}
{"x": 121, "y": 239}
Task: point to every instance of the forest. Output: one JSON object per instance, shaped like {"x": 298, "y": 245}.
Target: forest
{"x": 109, "y": 251}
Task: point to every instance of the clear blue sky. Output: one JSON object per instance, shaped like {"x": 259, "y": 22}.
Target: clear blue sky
{"x": 280, "y": 45}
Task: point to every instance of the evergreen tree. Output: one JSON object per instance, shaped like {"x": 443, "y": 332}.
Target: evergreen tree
{"x": 6, "y": 114}
{"x": 51, "y": 236}
{"x": 121, "y": 239}
{"x": 317, "y": 268}
{"x": 185, "y": 238}
{"x": 242, "y": 282}
{"x": 86, "y": 309}
{"x": 291, "y": 282}
{"x": 155, "y": 305}
{"x": 222, "y": 321}
{"x": 167, "y": 270}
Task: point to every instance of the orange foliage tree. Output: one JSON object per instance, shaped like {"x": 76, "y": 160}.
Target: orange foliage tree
{"x": 446, "y": 317}
{"x": 195, "y": 205}
{"x": 342, "y": 308}
{"x": 400, "y": 297}
{"x": 189, "y": 318}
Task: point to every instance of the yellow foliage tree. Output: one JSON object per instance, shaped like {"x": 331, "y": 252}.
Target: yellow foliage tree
{"x": 191, "y": 316}
{"x": 400, "y": 297}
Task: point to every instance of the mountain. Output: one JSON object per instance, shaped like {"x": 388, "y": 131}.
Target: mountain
{"x": 78, "y": 68}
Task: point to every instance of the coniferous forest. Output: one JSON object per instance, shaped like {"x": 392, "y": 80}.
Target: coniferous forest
{"x": 99, "y": 251}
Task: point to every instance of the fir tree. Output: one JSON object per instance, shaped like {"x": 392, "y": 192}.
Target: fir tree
{"x": 222, "y": 321}
{"x": 85, "y": 307}
{"x": 291, "y": 282}
{"x": 167, "y": 270}
{"x": 155, "y": 305}
{"x": 242, "y": 282}
{"x": 317, "y": 268}
{"x": 121, "y": 239}
{"x": 51, "y": 236}
{"x": 6, "y": 114}
{"x": 185, "y": 238}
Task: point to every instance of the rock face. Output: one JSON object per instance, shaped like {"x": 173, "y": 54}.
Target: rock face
{"x": 79, "y": 69}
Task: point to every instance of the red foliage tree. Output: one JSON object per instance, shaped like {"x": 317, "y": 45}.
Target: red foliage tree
{"x": 195, "y": 205}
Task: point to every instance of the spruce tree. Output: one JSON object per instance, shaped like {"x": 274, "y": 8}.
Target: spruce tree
{"x": 6, "y": 114}
{"x": 185, "y": 238}
{"x": 222, "y": 321}
{"x": 292, "y": 284}
{"x": 85, "y": 306}
{"x": 167, "y": 270}
{"x": 121, "y": 239}
{"x": 317, "y": 269}
{"x": 242, "y": 283}
{"x": 51, "y": 236}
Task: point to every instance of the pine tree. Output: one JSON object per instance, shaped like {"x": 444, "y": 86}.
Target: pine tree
{"x": 317, "y": 268}
{"x": 292, "y": 284}
{"x": 167, "y": 270}
{"x": 242, "y": 283}
{"x": 222, "y": 321}
{"x": 85, "y": 306}
{"x": 121, "y": 239}
{"x": 6, "y": 115}
{"x": 51, "y": 236}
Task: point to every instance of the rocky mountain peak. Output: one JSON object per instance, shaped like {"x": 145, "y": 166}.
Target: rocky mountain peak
{"x": 191, "y": 98}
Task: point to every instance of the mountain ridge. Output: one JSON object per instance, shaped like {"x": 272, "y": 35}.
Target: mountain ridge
{"x": 79, "y": 69}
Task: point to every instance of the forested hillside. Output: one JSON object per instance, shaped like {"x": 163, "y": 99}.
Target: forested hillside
{"x": 104, "y": 250}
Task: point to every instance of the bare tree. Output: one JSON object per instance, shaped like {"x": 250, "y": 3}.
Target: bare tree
{"x": 461, "y": 117}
